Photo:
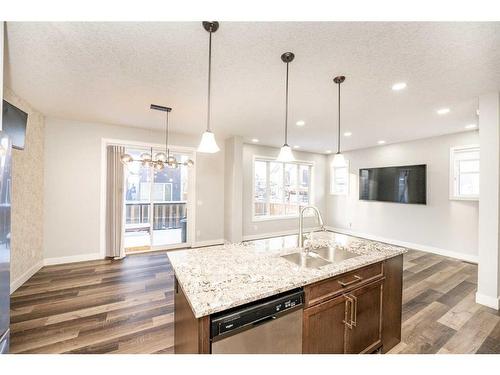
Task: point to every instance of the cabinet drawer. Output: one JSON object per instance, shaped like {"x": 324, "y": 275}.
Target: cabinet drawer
{"x": 323, "y": 290}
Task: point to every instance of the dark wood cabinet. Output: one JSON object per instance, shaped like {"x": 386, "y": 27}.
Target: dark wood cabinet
{"x": 323, "y": 327}
{"x": 349, "y": 323}
{"x": 364, "y": 331}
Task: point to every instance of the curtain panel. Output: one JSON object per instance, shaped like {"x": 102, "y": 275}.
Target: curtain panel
{"x": 115, "y": 221}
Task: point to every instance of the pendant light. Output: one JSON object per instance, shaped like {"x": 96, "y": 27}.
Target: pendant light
{"x": 338, "y": 159}
{"x": 286, "y": 154}
{"x": 161, "y": 159}
{"x": 208, "y": 143}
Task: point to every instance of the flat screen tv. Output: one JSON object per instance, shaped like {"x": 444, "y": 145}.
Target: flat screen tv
{"x": 14, "y": 124}
{"x": 405, "y": 184}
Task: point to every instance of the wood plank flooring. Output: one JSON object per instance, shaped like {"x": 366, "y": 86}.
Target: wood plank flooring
{"x": 126, "y": 306}
{"x": 101, "y": 306}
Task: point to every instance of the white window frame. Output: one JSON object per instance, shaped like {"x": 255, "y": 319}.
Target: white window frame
{"x": 332, "y": 180}
{"x": 310, "y": 164}
{"x": 454, "y": 174}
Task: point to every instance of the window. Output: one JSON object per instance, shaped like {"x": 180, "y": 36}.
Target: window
{"x": 339, "y": 180}
{"x": 155, "y": 204}
{"x": 280, "y": 188}
{"x": 464, "y": 172}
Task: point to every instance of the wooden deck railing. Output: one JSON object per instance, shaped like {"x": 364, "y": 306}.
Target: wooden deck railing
{"x": 165, "y": 215}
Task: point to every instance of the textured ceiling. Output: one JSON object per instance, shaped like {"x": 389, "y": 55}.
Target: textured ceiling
{"x": 111, "y": 72}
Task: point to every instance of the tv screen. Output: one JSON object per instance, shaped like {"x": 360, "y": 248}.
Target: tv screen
{"x": 14, "y": 124}
{"x": 405, "y": 184}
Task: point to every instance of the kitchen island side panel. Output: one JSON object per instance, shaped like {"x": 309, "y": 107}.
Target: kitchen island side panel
{"x": 191, "y": 335}
{"x": 392, "y": 302}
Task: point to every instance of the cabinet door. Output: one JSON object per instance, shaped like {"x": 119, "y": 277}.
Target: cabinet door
{"x": 364, "y": 333}
{"x": 324, "y": 327}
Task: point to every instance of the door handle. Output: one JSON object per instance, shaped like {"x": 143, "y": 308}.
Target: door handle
{"x": 343, "y": 284}
{"x": 348, "y": 303}
{"x": 354, "y": 311}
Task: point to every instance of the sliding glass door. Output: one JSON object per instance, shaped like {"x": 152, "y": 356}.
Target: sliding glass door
{"x": 156, "y": 205}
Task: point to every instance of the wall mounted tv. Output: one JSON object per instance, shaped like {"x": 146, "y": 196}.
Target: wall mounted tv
{"x": 405, "y": 184}
{"x": 14, "y": 124}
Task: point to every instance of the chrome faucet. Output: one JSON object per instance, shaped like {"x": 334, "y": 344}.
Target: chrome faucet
{"x": 301, "y": 222}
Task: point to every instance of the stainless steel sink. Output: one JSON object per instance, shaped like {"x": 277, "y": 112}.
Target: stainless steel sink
{"x": 320, "y": 257}
{"x": 334, "y": 254}
{"x": 306, "y": 260}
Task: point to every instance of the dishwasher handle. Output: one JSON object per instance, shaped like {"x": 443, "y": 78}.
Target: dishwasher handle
{"x": 264, "y": 320}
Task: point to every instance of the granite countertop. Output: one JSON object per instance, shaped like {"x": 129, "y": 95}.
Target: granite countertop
{"x": 217, "y": 278}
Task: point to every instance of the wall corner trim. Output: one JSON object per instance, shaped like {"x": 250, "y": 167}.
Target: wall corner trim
{"x": 493, "y": 302}
{"x": 14, "y": 285}
{"x": 429, "y": 249}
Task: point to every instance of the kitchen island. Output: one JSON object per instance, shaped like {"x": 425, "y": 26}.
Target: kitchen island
{"x": 349, "y": 305}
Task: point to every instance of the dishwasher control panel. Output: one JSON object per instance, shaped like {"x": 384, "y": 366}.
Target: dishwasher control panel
{"x": 254, "y": 313}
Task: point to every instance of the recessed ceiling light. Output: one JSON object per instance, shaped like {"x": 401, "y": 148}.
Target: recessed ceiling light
{"x": 381, "y": 142}
{"x": 300, "y": 123}
{"x": 347, "y": 134}
{"x": 471, "y": 126}
{"x": 296, "y": 146}
{"x": 328, "y": 151}
{"x": 399, "y": 86}
{"x": 443, "y": 111}
{"x": 255, "y": 140}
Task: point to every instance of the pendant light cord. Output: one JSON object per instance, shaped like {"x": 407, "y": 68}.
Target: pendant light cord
{"x": 209, "y": 78}
{"x": 166, "y": 137}
{"x": 338, "y": 143}
{"x": 286, "y": 106}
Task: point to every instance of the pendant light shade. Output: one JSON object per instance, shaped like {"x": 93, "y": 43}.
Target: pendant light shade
{"x": 286, "y": 154}
{"x": 208, "y": 143}
{"x": 338, "y": 159}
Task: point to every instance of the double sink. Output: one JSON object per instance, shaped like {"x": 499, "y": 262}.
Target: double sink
{"x": 316, "y": 258}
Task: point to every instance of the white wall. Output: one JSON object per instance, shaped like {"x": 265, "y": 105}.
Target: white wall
{"x": 488, "y": 292}
{"x": 252, "y": 228}
{"x": 233, "y": 186}
{"x": 72, "y": 186}
{"x": 449, "y": 227}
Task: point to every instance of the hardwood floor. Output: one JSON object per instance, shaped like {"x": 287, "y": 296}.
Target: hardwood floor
{"x": 439, "y": 312}
{"x": 101, "y": 306}
{"x": 127, "y": 307}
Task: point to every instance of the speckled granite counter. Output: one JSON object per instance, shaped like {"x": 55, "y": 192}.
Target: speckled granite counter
{"x": 220, "y": 277}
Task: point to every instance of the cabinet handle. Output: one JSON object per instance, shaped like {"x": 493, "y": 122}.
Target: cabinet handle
{"x": 357, "y": 278}
{"x": 348, "y": 302}
{"x": 354, "y": 311}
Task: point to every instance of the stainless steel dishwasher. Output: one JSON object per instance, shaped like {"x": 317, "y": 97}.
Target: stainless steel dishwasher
{"x": 272, "y": 325}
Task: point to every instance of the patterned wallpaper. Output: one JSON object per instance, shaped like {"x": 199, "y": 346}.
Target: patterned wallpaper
{"x": 27, "y": 193}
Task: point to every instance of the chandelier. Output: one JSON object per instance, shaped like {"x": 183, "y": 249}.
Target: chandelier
{"x": 161, "y": 159}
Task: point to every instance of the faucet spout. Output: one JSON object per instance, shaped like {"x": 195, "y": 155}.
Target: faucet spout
{"x": 301, "y": 222}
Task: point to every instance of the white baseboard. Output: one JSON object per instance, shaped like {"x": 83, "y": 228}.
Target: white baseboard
{"x": 410, "y": 245}
{"x": 72, "y": 259}
{"x": 25, "y": 276}
{"x": 493, "y": 302}
{"x": 208, "y": 243}
{"x": 261, "y": 236}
